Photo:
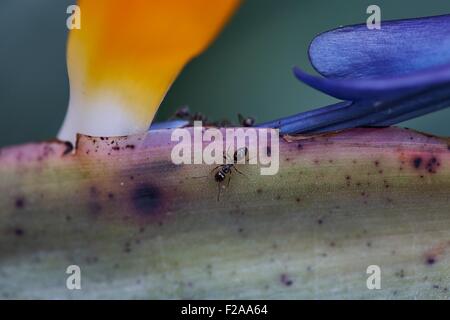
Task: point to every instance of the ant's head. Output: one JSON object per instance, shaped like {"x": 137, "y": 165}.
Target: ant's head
{"x": 226, "y": 169}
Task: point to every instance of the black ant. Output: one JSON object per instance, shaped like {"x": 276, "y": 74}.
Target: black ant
{"x": 184, "y": 113}
{"x": 246, "y": 121}
{"x": 225, "y": 170}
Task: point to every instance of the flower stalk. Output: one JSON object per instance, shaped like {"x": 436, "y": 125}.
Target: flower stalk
{"x": 140, "y": 227}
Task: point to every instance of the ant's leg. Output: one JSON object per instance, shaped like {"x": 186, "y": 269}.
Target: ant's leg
{"x": 240, "y": 172}
{"x": 229, "y": 179}
{"x": 226, "y": 155}
{"x": 241, "y": 119}
{"x": 218, "y": 191}
{"x": 225, "y": 158}
{"x": 213, "y": 169}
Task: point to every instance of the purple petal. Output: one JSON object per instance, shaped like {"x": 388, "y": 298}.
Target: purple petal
{"x": 380, "y": 88}
{"x": 398, "y": 48}
{"x": 349, "y": 114}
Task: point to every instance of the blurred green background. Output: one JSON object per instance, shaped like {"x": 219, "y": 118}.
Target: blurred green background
{"x": 246, "y": 70}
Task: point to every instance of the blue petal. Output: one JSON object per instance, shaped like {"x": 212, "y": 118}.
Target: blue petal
{"x": 398, "y": 48}
{"x": 380, "y": 88}
{"x": 390, "y": 75}
{"x": 345, "y": 115}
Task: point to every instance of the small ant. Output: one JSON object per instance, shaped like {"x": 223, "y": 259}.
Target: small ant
{"x": 246, "y": 121}
{"x": 184, "y": 113}
{"x": 225, "y": 170}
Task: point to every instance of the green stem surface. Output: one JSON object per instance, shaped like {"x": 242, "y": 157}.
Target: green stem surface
{"x": 139, "y": 226}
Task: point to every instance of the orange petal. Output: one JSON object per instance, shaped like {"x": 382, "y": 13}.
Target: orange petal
{"x": 127, "y": 54}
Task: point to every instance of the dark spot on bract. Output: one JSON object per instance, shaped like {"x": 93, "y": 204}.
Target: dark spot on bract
{"x": 146, "y": 198}
{"x": 129, "y": 146}
{"x": 430, "y": 260}
{"x": 19, "y": 232}
{"x": 284, "y": 279}
{"x": 432, "y": 165}
{"x": 400, "y": 274}
{"x": 417, "y": 162}
{"x": 20, "y": 203}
